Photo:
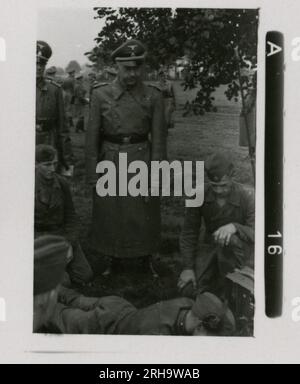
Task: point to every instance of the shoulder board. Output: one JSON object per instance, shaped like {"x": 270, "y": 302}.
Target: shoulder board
{"x": 155, "y": 86}
{"x": 97, "y": 85}
{"x": 54, "y": 83}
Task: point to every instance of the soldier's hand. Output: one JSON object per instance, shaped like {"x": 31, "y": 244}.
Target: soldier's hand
{"x": 186, "y": 276}
{"x": 223, "y": 235}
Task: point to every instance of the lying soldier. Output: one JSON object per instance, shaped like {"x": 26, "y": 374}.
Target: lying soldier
{"x": 73, "y": 313}
{"x": 54, "y": 211}
{"x": 228, "y": 213}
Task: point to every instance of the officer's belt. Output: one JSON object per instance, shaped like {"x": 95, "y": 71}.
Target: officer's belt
{"x": 125, "y": 139}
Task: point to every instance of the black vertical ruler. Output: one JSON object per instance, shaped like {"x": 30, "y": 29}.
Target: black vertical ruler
{"x": 274, "y": 174}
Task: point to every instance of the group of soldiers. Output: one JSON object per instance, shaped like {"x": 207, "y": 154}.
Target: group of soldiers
{"x": 128, "y": 116}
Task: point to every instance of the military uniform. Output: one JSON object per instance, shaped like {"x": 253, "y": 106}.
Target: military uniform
{"x": 169, "y": 101}
{"x": 54, "y": 214}
{"x": 77, "y": 314}
{"x": 132, "y": 122}
{"x": 248, "y": 134}
{"x": 51, "y": 125}
{"x": 210, "y": 261}
{"x": 80, "y": 103}
{"x": 68, "y": 88}
{"x": 72, "y": 313}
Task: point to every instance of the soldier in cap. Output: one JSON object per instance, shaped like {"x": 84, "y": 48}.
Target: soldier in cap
{"x": 228, "y": 213}
{"x": 61, "y": 310}
{"x": 168, "y": 92}
{"x": 51, "y": 125}
{"x": 80, "y": 103}
{"x": 126, "y": 116}
{"x": 50, "y": 73}
{"x": 69, "y": 87}
{"x": 54, "y": 211}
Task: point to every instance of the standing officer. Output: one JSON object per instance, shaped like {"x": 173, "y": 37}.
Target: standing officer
{"x": 126, "y": 116}
{"x": 51, "y": 126}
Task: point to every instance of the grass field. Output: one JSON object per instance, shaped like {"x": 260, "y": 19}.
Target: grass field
{"x": 193, "y": 138}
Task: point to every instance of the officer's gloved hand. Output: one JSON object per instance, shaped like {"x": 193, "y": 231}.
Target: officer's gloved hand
{"x": 186, "y": 276}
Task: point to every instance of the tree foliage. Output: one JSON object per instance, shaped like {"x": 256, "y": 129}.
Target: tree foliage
{"x": 217, "y": 43}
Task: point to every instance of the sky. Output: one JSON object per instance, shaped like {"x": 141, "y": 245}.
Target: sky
{"x": 69, "y": 32}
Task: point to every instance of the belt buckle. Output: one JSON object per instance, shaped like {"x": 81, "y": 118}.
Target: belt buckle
{"x": 126, "y": 140}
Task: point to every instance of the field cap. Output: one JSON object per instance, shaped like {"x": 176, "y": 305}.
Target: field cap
{"x": 50, "y": 258}
{"x": 218, "y": 165}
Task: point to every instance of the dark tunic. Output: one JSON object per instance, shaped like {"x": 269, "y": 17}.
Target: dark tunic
{"x": 54, "y": 210}
{"x": 125, "y": 226}
{"x": 51, "y": 125}
{"x": 54, "y": 213}
{"x": 239, "y": 210}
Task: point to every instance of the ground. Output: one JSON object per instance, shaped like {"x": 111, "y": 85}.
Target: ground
{"x": 192, "y": 139}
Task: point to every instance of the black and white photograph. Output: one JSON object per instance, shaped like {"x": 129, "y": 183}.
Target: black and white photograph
{"x": 145, "y": 160}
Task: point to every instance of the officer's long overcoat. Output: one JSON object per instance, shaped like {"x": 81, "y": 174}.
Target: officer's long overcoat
{"x": 125, "y": 226}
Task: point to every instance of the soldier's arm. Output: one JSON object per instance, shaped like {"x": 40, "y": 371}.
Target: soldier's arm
{"x": 93, "y": 138}
{"x": 246, "y": 230}
{"x": 189, "y": 236}
{"x": 158, "y": 129}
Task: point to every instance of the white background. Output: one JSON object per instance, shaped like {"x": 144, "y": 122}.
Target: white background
{"x": 275, "y": 340}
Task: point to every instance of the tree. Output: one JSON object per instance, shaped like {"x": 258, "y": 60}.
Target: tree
{"x": 73, "y": 64}
{"x": 217, "y": 43}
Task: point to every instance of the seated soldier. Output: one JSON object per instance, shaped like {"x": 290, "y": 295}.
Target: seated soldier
{"x": 228, "y": 213}
{"x": 54, "y": 211}
{"x": 73, "y": 313}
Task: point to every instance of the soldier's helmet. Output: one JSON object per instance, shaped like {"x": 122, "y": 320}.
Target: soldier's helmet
{"x": 43, "y": 52}
{"x": 132, "y": 51}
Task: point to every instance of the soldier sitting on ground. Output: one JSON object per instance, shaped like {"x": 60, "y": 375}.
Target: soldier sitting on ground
{"x": 54, "y": 211}
{"x": 228, "y": 213}
{"x": 61, "y": 310}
